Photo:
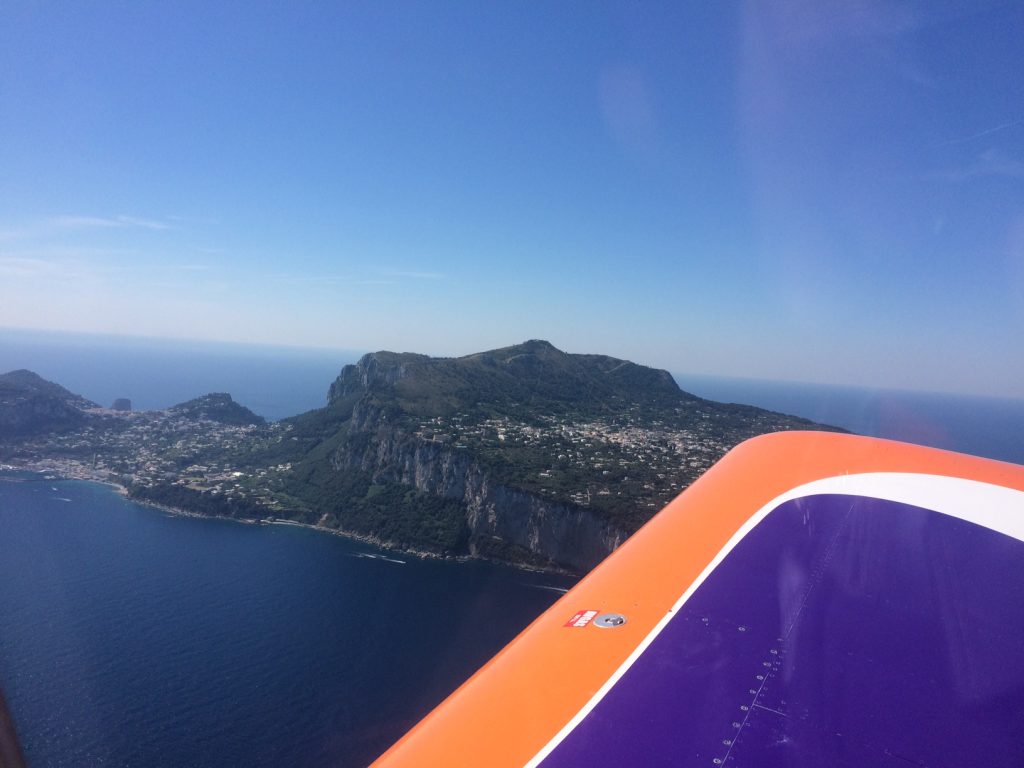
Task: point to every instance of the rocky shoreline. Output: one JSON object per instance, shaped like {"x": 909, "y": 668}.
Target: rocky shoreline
{"x": 54, "y": 469}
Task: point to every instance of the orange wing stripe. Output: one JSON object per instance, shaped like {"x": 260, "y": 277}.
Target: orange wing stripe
{"x": 513, "y": 706}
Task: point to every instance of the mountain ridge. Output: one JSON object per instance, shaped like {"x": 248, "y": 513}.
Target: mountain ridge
{"x": 534, "y": 372}
{"x": 542, "y": 456}
{"x": 29, "y": 403}
{"x": 523, "y": 454}
{"x": 219, "y": 407}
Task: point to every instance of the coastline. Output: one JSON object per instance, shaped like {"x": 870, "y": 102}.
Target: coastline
{"x": 78, "y": 474}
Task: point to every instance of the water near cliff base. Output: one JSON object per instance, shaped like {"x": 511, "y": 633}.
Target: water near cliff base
{"x": 133, "y": 638}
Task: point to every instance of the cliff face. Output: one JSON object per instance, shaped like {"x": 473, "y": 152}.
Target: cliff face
{"x": 499, "y": 518}
{"x": 31, "y": 405}
{"x": 525, "y": 454}
{"x": 32, "y": 414}
{"x": 373, "y": 371}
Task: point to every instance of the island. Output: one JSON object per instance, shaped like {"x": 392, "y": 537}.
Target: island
{"x": 526, "y": 454}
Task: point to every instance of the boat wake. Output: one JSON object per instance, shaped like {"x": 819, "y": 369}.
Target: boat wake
{"x": 559, "y": 590}
{"x": 370, "y": 556}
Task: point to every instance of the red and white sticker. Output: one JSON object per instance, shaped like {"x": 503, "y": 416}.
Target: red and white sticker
{"x": 581, "y": 619}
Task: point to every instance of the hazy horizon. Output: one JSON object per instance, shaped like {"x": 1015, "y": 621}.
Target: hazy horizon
{"x": 821, "y": 192}
{"x": 258, "y": 349}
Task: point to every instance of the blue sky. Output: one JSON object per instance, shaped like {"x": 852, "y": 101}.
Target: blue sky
{"x": 829, "y": 192}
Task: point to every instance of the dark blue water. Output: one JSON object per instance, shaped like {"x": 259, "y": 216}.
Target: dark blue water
{"x": 280, "y": 381}
{"x": 132, "y": 638}
{"x": 275, "y": 382}
{"x": 983, "y": 426}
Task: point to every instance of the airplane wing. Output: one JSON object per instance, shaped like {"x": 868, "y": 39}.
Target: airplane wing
{"x": 814, "y": 599}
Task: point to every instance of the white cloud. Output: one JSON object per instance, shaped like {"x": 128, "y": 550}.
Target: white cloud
{"x": 294, "y": 278}
{"x": 192, "y": 219}
{"x": 26, "y": 268}
{"x": 982, "y": 134}
{"x": 14, "y": 234}
{"x": 101, "y": 222}
{"x": 803, "y": 22}
{"x": 989, "y": 164}
{"x": 412, "y": 274}
{"x": 21, "y": 267}
{"x": 191, "y": 267}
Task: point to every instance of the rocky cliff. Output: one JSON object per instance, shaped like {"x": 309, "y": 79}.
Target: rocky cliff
{"x": 525, "y": 454}
{"x": 373, "y": 371}
{"x": 503, "y": 522}
{"x": 30, "y": 405}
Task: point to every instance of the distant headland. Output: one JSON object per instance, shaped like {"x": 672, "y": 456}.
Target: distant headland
{"x": 525, "y": 454}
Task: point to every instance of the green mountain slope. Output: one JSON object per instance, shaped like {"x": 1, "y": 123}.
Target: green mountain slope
{"x": 29, "y": 404}
{"x": 536, "y": 450}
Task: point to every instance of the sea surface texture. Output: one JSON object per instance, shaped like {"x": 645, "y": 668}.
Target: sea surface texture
{"x": 133, "y": 638}
{"x": 992, "y": 427}
{"x": 275, "y": 382}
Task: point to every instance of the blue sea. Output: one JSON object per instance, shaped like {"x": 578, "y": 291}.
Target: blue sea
{"x": 984, "y": 426}
{"x": 275, "y": 382}
{"x": 132, "y": 638}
